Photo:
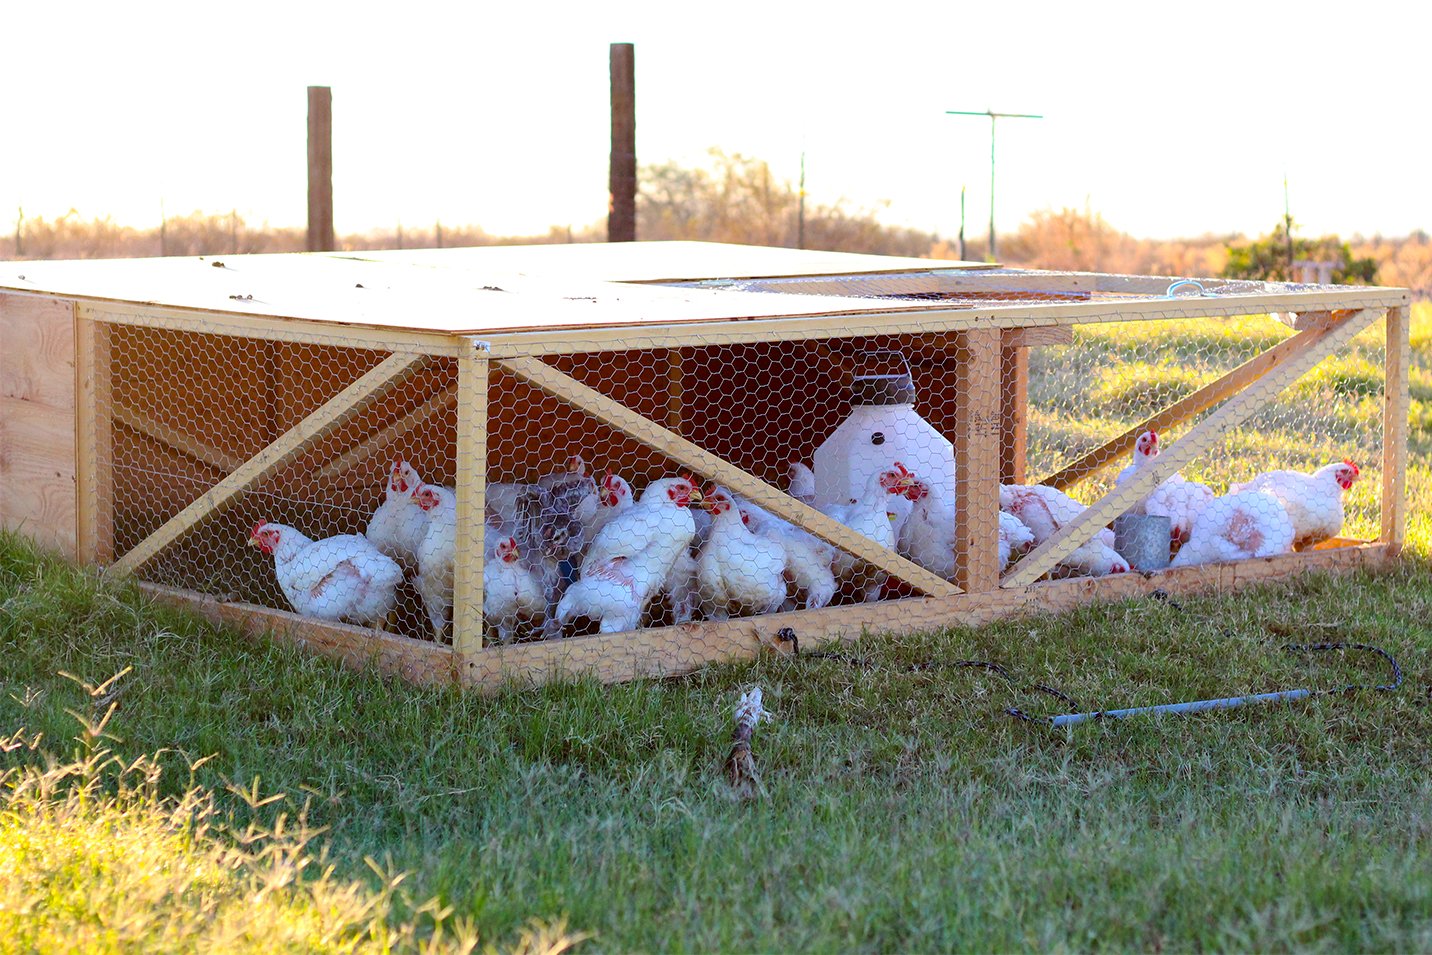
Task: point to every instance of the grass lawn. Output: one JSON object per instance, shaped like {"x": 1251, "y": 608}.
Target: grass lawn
{"x": 903, "y": 811}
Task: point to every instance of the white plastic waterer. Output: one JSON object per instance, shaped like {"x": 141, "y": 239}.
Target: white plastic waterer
{"x": 882, "y": 429}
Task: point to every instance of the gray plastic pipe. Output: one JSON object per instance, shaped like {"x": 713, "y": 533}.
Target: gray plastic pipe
{"x": 1197, "y": 706}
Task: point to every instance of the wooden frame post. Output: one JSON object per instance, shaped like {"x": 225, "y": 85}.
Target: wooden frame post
{"x": 675, "y": 388}
{"x": 94, "y": 444}
{"x": 467, "y": 619}
{"x": 1396, "y": 401}
{"x": 978, "y": 419}
{"x": 1014, "y": 414}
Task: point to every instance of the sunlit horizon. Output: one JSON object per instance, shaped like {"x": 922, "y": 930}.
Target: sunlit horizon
{"x": 1167, "y": 127}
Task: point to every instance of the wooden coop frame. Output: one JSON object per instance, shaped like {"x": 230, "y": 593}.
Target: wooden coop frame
{"x": 56, "y": 321}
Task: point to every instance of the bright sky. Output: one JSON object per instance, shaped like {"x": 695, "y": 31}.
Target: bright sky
{"x": 1169, "y": 119}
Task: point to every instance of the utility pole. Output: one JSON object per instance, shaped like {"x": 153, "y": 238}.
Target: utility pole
{"x": 1288, "y": 227}
{"x": 992, "y": 117}
{"x": 800, "y": 222}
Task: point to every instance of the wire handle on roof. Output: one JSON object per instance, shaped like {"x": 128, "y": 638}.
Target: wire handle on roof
{"x": 1181, "y": 283}
{"x": 865, "y": 356}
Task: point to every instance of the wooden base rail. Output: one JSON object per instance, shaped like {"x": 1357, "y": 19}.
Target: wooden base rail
{"x": 669, "y": 651}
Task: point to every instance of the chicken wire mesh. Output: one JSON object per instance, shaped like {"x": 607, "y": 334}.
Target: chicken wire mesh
{"x": 587, "y": 529}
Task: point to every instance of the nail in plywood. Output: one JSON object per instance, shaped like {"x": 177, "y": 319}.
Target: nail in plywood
{"x": 653, "y": 435}
{"x": 1313, "y": 346}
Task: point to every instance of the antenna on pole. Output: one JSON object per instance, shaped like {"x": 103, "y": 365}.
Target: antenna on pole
{"x": 992, "y": 117}
{"x": 962, "y": 223}
{"x": 800, "y": 226}
{"x": 1288, "y": 225}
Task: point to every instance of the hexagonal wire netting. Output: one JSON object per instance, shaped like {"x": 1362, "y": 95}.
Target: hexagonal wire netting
{"x": 587, "y": 529}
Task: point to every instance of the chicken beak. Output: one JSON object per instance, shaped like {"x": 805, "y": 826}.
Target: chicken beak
{"x": 254, "y": 542}
{"x": 699, "y": 500}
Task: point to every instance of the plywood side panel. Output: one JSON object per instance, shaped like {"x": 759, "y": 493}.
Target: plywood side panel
{"x": 37, "y": 350}
{"x": 37, "y": 419}
{"x": 37, "y": 473}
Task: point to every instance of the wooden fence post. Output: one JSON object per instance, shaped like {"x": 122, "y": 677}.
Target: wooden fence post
{"x": 320, "y": 169}
{"x": 621, "y": 219}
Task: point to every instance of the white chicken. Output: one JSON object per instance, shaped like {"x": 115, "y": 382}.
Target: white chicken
{"x": 680, "y": 588}
{"x": 343, "y": 578}
{"x": 1313, "y": 501}
{"x": 511, "y": 592}
{"x": 808, "y": 559}
{"x": 802, "y": 482}
{"x": 614, "y": 495}
{"x": 1236, "y": 527}
{"x": 928, "y": 537}
{"x": 1146, "y": 448}
{"x": 436, "y": 552}
{"x": 738, "y": 572}
{"x": 396, "y": 528}
{"x": 631, "y": 557}
{"x": 1177, "y": 498}
{"x": 1044, "y": 510}
{"x": 1014, "y": 538}
{"x": 879, "y": 515}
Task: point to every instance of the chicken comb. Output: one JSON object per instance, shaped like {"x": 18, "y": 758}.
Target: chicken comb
{"x": 1353, "y": 464}
{"x": 257, "y": 528}
{"x": 904, "y": 471}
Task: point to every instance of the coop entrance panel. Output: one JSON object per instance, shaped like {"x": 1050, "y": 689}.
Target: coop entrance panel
{"x": 550, "y": 473}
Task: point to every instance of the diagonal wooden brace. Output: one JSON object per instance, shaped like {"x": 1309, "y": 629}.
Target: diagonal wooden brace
{"x": 1313, "y": 346}
{"x": 1185, "y": 408}
{"x": 611, "y": 412}
{"x": 331, "y": 414}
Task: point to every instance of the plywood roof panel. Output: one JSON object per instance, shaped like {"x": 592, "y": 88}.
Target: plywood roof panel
{"x": 553, "y": 288}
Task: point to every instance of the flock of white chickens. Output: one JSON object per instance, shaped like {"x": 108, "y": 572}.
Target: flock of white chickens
{"x": 570, "y": 547}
